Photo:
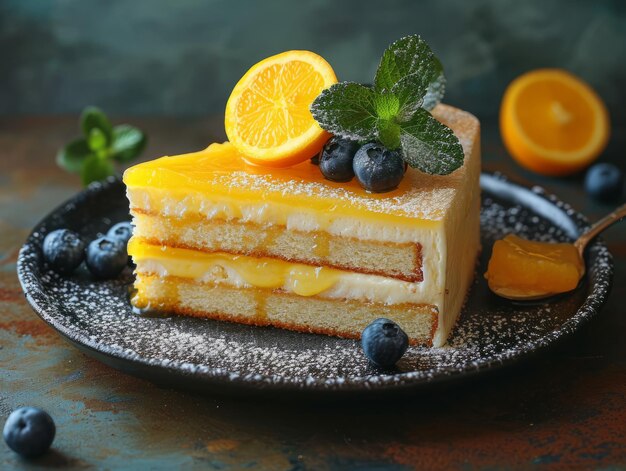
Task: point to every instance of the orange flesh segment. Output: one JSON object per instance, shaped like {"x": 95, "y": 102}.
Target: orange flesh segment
{"x": 275, "y": 108}
{"x": 525, "y": 268}
{"x": 554, "y": 117}
{"x": 267, "y": 115}
{"x": 552, "y": 122}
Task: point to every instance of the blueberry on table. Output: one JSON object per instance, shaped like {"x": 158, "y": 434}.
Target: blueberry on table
{"x": 605, "y": 182}
{"x": 106, "y": 257}
{"x": 29, "y": 431}
{"x": 64, "y": 250}
{"x": 122, "y": 231}
{"x": 377, "y": 168}
{"x": 384, "y": 342}
{"x": 336, "y": 158}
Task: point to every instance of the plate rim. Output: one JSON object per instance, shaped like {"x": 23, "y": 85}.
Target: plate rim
{"x": 215, "y": 378}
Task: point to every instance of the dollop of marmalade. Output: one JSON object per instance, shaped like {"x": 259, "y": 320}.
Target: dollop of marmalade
{"x": 519, "y": 267}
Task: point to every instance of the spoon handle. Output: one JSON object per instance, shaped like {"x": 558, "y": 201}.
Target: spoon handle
{"x": 598, "y": 227}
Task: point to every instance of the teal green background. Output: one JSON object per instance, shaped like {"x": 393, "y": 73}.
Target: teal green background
{"x": 182, "y": 58}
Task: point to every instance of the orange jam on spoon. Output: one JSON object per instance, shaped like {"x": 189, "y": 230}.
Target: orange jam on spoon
{"x": 522, "y": 269}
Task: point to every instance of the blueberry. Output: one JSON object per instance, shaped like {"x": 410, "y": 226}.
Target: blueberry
{"x": 605, "y": 182}
{"x": 64, "y": 250}
{"x": 377, "y": 168}
{"x": 384, "y": 342}
{"x": 106, "y": 257}
{"x": 122, "y": 231}
{"x": 29, "y": 431}
{"x": 336, "y": 159}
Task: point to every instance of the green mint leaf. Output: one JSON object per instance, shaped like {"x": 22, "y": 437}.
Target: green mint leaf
{"x": 93, "y": 118}
{"x": 97, "y": 140}
{"x": 406, "y": 57}
{"x": 72, "y": 156}
{"x": 348, "y": 110}
{"x": 429, "y": 145}
{"x": 389, "y": 133}
{"x": 436, "y": 89}
{"x": 128, "y": 142}
{"x": 95, "y": 169}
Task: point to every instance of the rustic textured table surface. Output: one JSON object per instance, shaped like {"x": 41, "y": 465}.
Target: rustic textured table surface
{"x": 564, "y": 410}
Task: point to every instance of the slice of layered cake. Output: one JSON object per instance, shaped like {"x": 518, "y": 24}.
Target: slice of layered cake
{"x": 254, "y": 231}
{"x": 215, "y": 237}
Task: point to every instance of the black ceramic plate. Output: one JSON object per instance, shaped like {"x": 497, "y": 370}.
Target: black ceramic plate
{"x": 96, "y": 316}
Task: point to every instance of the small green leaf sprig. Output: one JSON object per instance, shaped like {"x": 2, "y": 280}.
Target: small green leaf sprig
{"x": 409, "y": 83}
{"x": 93, "y": 156}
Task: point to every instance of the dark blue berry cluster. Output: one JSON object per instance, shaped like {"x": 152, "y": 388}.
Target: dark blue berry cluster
{"x": 377, "y": 168}
{"x": 64, "y": 250}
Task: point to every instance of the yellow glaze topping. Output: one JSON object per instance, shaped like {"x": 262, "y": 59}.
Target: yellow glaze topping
{"x": 221, "y": 175}
{"x": 520, "y": 267}
{"x": 268, "y": 273}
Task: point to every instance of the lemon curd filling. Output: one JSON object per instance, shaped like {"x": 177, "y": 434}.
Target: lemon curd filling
{"x": 267, "y": 273}
{"x": 218, "y": 182}
{"x": 212, "y": 268}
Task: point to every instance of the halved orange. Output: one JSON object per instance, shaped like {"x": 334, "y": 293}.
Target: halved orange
{"x": 552, "y": 122}
{"x": 267, "y": 115}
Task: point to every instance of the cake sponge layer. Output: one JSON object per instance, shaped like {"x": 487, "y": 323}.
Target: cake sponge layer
{"x": 342, "y": 318}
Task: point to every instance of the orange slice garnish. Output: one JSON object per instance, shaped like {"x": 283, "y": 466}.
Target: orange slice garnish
{"x": 552, "y": 122}
{"x": 267, "y": 115}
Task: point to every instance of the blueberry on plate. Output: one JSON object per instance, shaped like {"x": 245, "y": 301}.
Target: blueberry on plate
{"x": 29, "y": 431}
{"x": 64, "y": 250}
{"x": 122, "y": 231}
{"x": 336, "y": 159}
{"x": 384, "y": 342}
{"x": 377, "y": 168}
{"x": 605, "y": 182}
{"x": 106, "y": 257}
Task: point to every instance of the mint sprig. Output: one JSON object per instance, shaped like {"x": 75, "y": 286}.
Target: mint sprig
{"x": 93, "y": 156}
{"x": 395, "y": 111}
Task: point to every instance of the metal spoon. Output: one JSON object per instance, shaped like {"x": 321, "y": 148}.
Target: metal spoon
{"x": 580, "y": 244}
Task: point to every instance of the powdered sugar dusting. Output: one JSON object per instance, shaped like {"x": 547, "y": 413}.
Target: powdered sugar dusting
{"x": 490, "y": 332}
